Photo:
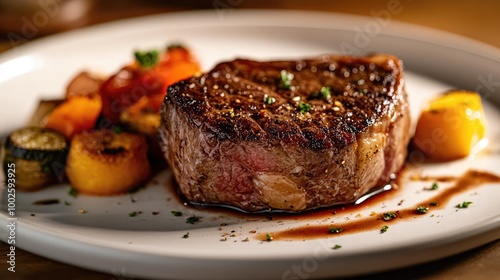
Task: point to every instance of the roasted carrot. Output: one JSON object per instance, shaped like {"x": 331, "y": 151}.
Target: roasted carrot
{"x": 75, "y": 114}
{"x": 176, "y": 64}
{"x": 174, "y": 72}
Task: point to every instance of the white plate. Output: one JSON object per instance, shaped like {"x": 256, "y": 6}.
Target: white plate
{"x": 108, "y": 240}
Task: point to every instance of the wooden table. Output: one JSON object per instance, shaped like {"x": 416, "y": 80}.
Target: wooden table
{"x": 474, "y": 19}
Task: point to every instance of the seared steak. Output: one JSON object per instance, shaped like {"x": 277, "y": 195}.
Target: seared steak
{"x": 287, "y": 135}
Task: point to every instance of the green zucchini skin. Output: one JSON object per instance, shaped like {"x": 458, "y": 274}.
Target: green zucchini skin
{"x": 39, "y": 156}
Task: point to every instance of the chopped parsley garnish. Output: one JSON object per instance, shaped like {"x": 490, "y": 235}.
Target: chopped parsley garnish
{"x": 464, "y": 204}
{"x": 192, "y": 220}
{"x": 325, "y": 93}
{"x": 132, "y": 214}
{"x": 433, "y": 187}
{"x": 384, "y": 229}
{"x": 268, "y": 237}
{"x": 185, "y": 236}
{"x": 268, "y": 99}
{"x": 304, "y": 107}
{"x": 73, "y": 192}
{"x": 67, "y": 203}
{"x": 421, "y": 209}
{"x": 337, "y": 246}
{"x": 176, "y": 213}
{"x": 335, "y": 230}
{"x": 389, "y": 216}
{"x": 147, "y": 58}
{"x": 286, "y": 79}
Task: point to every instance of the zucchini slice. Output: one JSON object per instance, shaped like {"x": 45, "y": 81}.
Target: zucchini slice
{"x": 39, "y": 156}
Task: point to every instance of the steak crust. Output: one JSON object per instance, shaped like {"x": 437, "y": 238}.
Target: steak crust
{"x": 287, "y": 135}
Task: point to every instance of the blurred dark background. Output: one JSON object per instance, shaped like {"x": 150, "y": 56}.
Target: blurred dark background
{"x": 475, "y": 19}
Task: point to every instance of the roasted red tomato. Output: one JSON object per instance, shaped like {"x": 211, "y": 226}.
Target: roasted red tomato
{"x": 126, "y": 87}
{"x": 149, "y": 76}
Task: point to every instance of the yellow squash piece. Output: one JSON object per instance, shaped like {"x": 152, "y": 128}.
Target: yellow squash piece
{"x": 103, "y": 162}
{"x": 451, "y": 126}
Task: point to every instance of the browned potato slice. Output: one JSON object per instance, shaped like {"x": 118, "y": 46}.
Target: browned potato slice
{"x": 103, "y": 162}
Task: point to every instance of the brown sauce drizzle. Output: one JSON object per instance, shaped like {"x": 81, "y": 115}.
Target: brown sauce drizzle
{"x": 375, "y": 221}
{"x": 469, "y": 180}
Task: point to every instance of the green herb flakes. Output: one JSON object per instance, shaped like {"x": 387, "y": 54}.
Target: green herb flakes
{"x": 186, "y": 236}
{"x": 388, "y": 216}
{"x": 268, "y": 99}
{"x": 192, "y": 220}
{"x": 73, "y": 192}
{"x": 433, "y": 187}
{"x": 132, "y": 214}
{"x": 384, "y": 229}
{"x": 421, "y": 209}
{"x": 335, "y": 230}
{"x": 147, "y": 58}
{"x": 337, "y": 246}
{"x": 286, "y": 79}
{"x": 304, "y": 107}
{"x": 269, "y": 237}
{"x": 324, "y": 93}
{"x": 176, "y": 213}
{"x": 464, "y": 204}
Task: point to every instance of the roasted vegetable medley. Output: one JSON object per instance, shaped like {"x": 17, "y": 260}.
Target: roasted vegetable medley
{"x": 98, "y": 136}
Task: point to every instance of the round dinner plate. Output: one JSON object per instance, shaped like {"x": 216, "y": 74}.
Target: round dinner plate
{"x": 226, "y": 244}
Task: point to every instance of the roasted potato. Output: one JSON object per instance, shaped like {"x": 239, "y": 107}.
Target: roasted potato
{"x": 451, "y": 126}
{"x": 103, "y": 162}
